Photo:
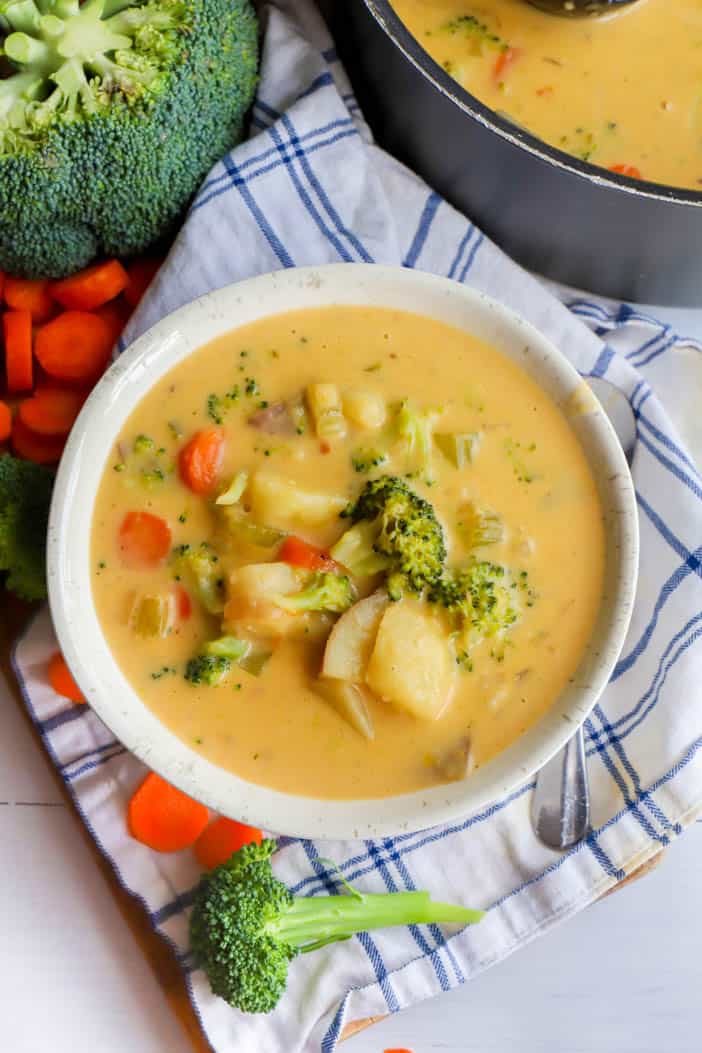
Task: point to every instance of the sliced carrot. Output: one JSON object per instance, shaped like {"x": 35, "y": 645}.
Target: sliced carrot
{"x": 17, "y": 333}
{"x": 221, "y": 838}
{"x": 397, "y": 1051}
{"x": 61, "y": 679}
{"x": 164, "y": 818}
{"x": 200, "y": 460}
{"x": 42, "y": 449}
{"x": 504, "y": 60}
{"x": 91, "y": 287}
{"x": 184, "y": 605}
{"x": 24, "y": 294}
{"x": 141, "y": 273}
{"x": 628, "y": 170}
{"x": 5, "y": 422}
{"x": 300, "y": 553}
{"x": 51, "y": 411}
{"x": 75, "y": 346}
{"x": 144, "y": 540}
{"x": 116, "y": 314}
{"x": 2, "y": 281}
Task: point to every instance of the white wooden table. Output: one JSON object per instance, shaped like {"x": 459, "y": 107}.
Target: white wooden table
{"x": 73, "y": 981}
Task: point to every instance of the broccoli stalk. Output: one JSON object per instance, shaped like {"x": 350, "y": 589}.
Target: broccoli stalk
{"x": 25, "y": 495}
{"x": 400, "y": 528}
{"x": 415, "y": 429}
{"x": 246, "y": 926}
{"x": 111, "y": 115}
{"x": 323, "y": 592}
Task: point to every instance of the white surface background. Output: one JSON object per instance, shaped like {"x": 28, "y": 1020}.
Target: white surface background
{"x": 622, "y": 977}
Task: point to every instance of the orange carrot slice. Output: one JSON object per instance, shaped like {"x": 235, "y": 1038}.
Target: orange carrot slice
{"x": 200, "y": 461}
{"x": 91, "y": 287}
{"x": 221, "y": 838}
{"x": 628, "y": 170}
{"x": 51, "y": 411}
{"x": 164, "y": 818}
{"x": 184, "y": 605}
{"x": 42, "y": 449}
{"x": 116, "y": 314}
{"x": 5, "y": 422}
{"x": 144, "y": 540}
{"x": 503, "y": 62}
{"x": 2, "y": 281}
{"x": 75, "y": 346}
{"x": 24, "y": 294}
{"x": 141, "y": 273}
{"x": 300, "y": 553}
{"x": 17, "y": 333}
{"x": 61, "y": 679}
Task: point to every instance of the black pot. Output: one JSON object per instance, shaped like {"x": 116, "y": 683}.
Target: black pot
{"x": 557, "y": 215}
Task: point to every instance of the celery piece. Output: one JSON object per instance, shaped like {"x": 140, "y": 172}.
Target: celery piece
{"x": 152, "y": 615}
{"x": 243, "y": 529}
{"x": 254, "y": 662}
{"x": 231, "y": 495}
{"x": 460, "y": 450}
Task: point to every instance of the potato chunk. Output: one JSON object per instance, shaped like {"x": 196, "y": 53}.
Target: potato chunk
{"x": 280, "y": 502}
{"x": 350, "y": 701}
{"x": 365, "y": 409}
{"x": 250, "y": 609}
{"x": 411, "y": 664}
{"x": 351, "y": 640}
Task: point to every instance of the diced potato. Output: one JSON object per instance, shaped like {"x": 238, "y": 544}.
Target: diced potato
{"x": 351, "y": 640}
{"x": 280, "y": 502}
{"x": 411, "y": 664}
{"x": 324, "y": 403}
{"x": 350, "y": 701}
{"x": 153, "y": 615}
{"x": 250, "y": 609}
{"x": 365, "y": 409}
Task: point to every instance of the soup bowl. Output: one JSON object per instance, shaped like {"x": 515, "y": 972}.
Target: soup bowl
{"x": 91, "y": 443}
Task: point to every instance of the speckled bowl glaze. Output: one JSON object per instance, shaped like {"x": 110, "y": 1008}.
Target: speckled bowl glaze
{"x": 179, "y": 335}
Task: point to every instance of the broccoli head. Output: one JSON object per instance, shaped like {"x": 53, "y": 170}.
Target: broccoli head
{"x": 323, "y": 592}
{"x": 199, "y": 567}
{"x": 113, "y": 112}
{"x": 246, "y": 926}
{"x": 25, "y": 495}
{"x": 406, "y": 536}
{"x": 484, "y": 599}
{"x": 215, "y": 660}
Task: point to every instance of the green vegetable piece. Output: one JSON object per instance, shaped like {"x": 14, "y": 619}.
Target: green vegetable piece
{"x": 364, "y": 461}
{"x": 25, "y": 495}
{"x": 242, "y": 528}
{"x": 460, "y": 450}
{"x": 207, "y": 669}
{"x": 143, "y": 444}
{"x": 354, "y": 550}
{"x": 479, "y": 527}
{"x": 415, "y": 429}
{"x": 200, "y": 568}
{"x": 228, "y": 647}
{"x": 111, "y": 114}
{"x": 255, "y": 661}
{"x": 484, "y": 599}
{"x": 152, "y": 615}
{"x": 325, "y": 591}
{"x": 246, "y": 926}
{"x": 232, "y": 494}
{"x": 404, "y": 529}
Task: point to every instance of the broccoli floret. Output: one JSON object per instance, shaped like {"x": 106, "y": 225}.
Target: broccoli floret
{"x": 484, "y": 599}
{"x": 200, "y": 568}
{"x": 215, "y": 660}
{"x": 405, "y": 534}
{"x": 415, "y": 429}
{"x": 113, "y": 113}
{"x": 324, "y": 592}
{"x": 246, "y": 926}
{"x": 366, "y": 460}
{"x": 25, "y": 495}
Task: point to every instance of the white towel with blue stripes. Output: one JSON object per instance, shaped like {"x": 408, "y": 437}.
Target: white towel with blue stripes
{"x": 309, "y": 187}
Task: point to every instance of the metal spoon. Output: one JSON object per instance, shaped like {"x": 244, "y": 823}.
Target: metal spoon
{"x": 560, "y": 811}
{"x": 579, "y": 8}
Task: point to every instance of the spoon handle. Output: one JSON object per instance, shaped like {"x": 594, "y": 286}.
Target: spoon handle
{"x": 561, "y": 803}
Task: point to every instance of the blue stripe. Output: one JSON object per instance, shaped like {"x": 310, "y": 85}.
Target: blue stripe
{"x": 66, "y": 716}
{"x": 90, "y": 753}
{"x": 654, "y": 354}
{"x": 322, "y": 194}
{"x": 471, "y": 256}
{"x": 263, "y": 225}
{"x": 662, "y": 331}
{"x": 425, "y": 221}
{"x": 460, "y": 250}
{"x": 71, "y": 776}
{"x": 665, "y": 440}
{"x": 602, "y": 364}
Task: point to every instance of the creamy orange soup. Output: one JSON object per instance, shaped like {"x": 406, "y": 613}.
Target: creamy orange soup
{"x": 326, "y": 686}
{"x": 623, "y": 91}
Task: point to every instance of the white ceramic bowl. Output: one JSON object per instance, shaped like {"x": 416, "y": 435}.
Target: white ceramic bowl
{"x": 173, "y": 339}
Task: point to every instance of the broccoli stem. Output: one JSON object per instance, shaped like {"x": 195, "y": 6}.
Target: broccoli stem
{"x": 315, "y": 921}
{"x": 28, "y": 51}
{"x": 23, "y": 16}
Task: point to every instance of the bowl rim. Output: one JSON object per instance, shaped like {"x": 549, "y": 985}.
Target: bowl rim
{"x": 395, "y": 29}
{"x": 69, "y": 571}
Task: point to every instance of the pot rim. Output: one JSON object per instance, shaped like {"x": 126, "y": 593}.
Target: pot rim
{"x": 397, "y": 32}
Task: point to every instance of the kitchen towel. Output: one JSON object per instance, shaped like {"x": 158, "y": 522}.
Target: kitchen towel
{"x": 310, "y": 187}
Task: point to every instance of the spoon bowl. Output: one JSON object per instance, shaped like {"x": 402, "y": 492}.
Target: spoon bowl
{"x": 580, "y": 8}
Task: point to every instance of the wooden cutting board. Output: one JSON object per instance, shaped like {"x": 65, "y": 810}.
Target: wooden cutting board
{"x": 157, "y": 953}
